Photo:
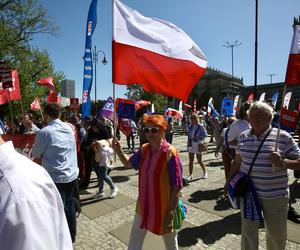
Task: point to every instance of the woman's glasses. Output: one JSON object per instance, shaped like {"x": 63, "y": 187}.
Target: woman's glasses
{"x": 153, "y": 130}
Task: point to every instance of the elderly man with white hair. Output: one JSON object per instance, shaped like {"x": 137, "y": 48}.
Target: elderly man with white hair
{"x": 268, "y": 189}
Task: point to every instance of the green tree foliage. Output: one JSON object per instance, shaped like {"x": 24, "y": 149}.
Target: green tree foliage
{"x": 136, "y": 92}
{"x": 20, "y": 21}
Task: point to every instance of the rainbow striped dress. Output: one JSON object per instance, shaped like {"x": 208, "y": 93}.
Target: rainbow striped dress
{"x": 158, "y": 172}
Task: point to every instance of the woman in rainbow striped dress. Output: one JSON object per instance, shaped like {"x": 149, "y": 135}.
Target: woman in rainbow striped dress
{"x": 160, "y": 182}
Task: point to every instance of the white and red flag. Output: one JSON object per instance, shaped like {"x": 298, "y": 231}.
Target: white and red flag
{"x": 35, "y": 104}
{"x": 293, "y": 68}
{"x": 47, "y": 82}
{"x": 155, "y": 54}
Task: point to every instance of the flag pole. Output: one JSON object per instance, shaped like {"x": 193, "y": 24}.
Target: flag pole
{"x": 11, "y": 114}
{"x": 278, "y": 131}
{"x": 115, "y": 118}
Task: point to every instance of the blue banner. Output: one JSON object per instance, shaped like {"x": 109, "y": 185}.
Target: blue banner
{"x": 275, "y": 98}
{"x": 88, "y": 60}
{"x": 126, "y": 110}
{"x": 227, "y": 107}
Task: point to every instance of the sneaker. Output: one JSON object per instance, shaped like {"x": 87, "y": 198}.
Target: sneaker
{"x": 99, "y": 195}
{"x": 204, "y": 176}
{"x": 113, "y": 193}
{"x": 189, "y": 178}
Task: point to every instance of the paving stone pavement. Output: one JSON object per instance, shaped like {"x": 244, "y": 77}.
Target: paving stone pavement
{"x": 210, "y": 224}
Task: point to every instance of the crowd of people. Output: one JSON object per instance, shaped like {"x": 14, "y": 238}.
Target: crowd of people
{"x": 69, "y": 148}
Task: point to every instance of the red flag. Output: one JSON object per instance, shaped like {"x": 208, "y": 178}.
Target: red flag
{"x": 124, "y": 126}
{"x": 13, "y": 93}
{"x": 52, "y": 97}
{"x": 293, "y": 68}
{"x": 288, "y": 118}
{"x": 35, "y": 104}
{"x": 155, "y": 54}
{"x": 174, "y": 113}
{"x": 250, "y": 97}
{"x": 48, "y": 82}
{"x": 140, "y": 104}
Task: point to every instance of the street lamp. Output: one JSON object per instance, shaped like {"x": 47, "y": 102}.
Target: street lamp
{"x": 232, "y": 45}
{"x": 271, "y": 76}
{"x": 95, "y": 60}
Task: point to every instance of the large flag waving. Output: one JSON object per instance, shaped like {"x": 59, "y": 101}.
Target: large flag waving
{"x": 48, "y": 82}
{"x": 293, "y": 67}
{"x": 155, "y": 54}
{"x": 88, "y": 62}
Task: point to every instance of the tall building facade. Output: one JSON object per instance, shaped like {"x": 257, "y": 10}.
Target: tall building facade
{"x": 68, "y": 88}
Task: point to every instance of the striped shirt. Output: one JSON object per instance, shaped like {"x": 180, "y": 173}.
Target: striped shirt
{"x": 158, "y": 172}
{"x": 268, "y": 184}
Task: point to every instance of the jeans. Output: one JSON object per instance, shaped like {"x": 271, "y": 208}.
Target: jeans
{"x": 66, "y": 191}
{"x": 128, "y": 138}
{"x": 101, "y": 172}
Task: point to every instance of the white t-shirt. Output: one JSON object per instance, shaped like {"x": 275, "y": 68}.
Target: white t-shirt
{"x": 104, "y": 156}
{"x": 31, "y": 210}
{"x": 236, "y": 128}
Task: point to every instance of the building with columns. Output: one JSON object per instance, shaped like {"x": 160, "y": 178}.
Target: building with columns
{"x": 218, "y": 84}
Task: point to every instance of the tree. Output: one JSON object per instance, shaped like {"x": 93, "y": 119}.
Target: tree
{"x": 136, "y": 92}
{"x": 20, "y": 21}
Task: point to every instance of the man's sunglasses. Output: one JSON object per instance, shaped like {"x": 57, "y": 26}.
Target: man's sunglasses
{"x": 153, "y": 130}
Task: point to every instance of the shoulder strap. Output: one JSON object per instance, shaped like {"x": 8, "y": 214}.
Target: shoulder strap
{"x": 252, "y": 163}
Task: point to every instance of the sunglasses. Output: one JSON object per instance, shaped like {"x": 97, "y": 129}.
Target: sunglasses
{"x": 153, "y": 130}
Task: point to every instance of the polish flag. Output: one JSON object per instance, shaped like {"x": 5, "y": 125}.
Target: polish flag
{"x": 35, "y": 104}
{"x": 155, "y": 54}
{"x": 293, "y": 68}
{"x": 48, "y": 82}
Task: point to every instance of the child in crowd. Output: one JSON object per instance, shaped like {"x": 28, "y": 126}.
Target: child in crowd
{"x": 103, "y": 151}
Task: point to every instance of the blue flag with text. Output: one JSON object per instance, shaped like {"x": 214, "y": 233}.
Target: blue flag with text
{"x": 88, "y": 61}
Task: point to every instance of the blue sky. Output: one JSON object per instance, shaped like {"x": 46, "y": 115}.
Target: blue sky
{"x": 210, "y": 23}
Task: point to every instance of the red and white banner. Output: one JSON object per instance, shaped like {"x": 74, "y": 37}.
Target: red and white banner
{"x": 286, "y": 101}
{"x": 235, "y": 104}
{"x": 174, "y": 113}
{"x": 47, "y": 82}
{"x": 288, "y": 118}
{"x": 13, "y": 93}
{"x": 293, "y": 68}
{"x": 35, "y": 104}
{"x": 22, "y": 143}
{"x": 154, "y": 53}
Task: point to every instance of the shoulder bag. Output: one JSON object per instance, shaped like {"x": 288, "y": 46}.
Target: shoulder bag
{"x": 241, "y": 188}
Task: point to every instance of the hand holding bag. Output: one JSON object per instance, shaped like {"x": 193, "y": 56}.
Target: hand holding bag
{"x": 180, "y": 215}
